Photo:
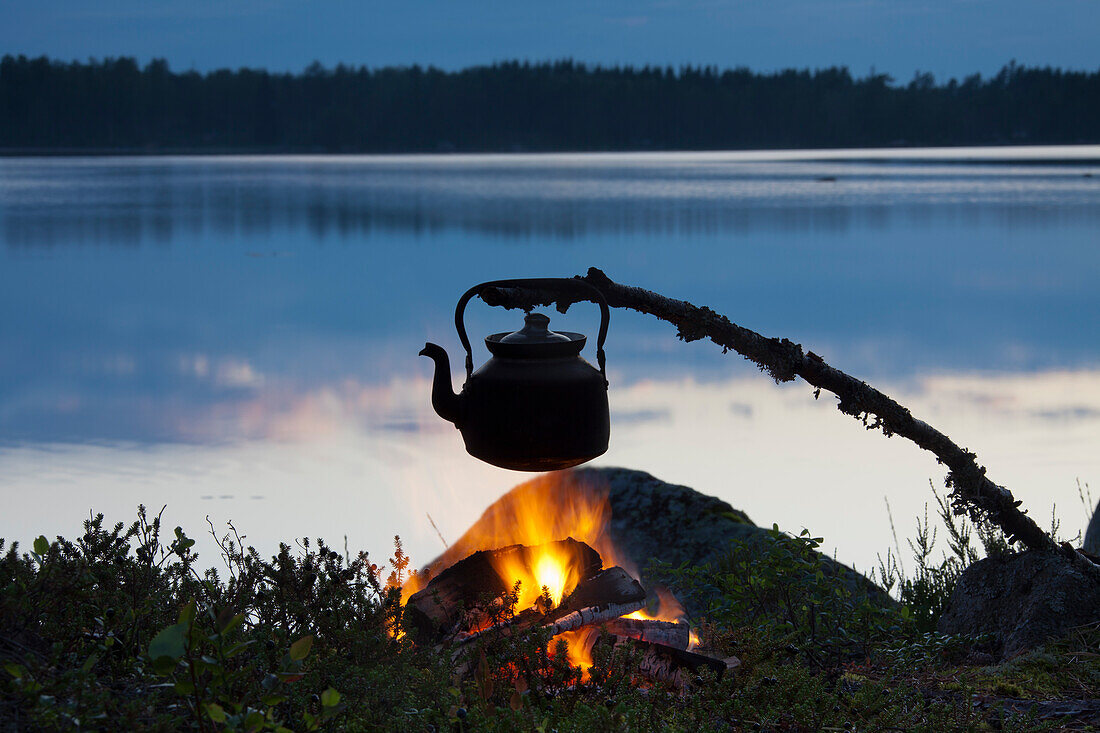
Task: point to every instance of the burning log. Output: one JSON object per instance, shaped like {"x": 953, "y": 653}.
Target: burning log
{"x": 445, "y": 603}
{"x": 663, "y": 663}
{"x": 675, "y": 634}
{"x": 604, "y": 597}
{"x": 613, "y": 586}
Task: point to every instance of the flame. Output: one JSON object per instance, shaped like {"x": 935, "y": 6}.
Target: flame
{"x": 667, "y": 608}
{"x": 548, "y": 508}
{"x": 550, "y": 566}
{"x": 579, "y": 649}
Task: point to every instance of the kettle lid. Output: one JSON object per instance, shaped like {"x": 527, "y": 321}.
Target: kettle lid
{"x": 535, "y": 341}
{"x": 535, "y": 331}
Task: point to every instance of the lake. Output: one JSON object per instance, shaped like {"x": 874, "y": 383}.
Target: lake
{"x": 236, "y": 337}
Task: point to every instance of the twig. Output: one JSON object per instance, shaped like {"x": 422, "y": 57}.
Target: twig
{"x": 784, "y": 360}
{"x": 445, "y": 545}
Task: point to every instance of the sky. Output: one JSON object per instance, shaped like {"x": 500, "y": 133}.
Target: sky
{"x": 949, "y": 38}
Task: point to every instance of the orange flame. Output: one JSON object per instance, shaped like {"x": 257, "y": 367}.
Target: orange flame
{"x": 553, "y": 567}
{"x": 667, "y": 609}
{"x": 579, "y": 649}
{"x": 548, "y": 508}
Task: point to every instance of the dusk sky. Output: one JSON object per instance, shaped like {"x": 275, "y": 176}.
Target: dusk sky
{"x": 899, "y": 37}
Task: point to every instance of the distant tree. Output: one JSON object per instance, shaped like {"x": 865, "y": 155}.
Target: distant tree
{"x": 114, "y": 104}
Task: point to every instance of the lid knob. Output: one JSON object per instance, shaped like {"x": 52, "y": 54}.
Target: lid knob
{"x": 535, "y": 331}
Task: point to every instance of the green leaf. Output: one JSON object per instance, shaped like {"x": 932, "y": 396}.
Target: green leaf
{"x": 170, "y": 642}
{"x": 232, "y": 623}
{"x": 187, "y": 613}
{"x": 273, "y": 700}
{"x": 41, "y": 545}
{"x": 164, "y": 665}
{"x": 216, "y": 712}
{"x": 14, "y": 670}
{"x": 254, "y": 721}
{"x": 299, "y": 650}
{"x": 330, "y": 698}
{"x": 89, "y": 663}
{"x": 184, "y": 687}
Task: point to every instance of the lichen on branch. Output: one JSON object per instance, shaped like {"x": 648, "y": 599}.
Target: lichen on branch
{"x": 971, "y": 490}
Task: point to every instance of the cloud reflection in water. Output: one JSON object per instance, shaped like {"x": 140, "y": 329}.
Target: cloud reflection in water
{"x": 329, "y": 461}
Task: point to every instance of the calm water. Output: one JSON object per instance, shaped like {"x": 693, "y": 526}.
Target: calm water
{"x": 236, "y": 337}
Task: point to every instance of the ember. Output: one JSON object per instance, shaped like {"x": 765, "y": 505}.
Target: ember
{"x": 549, "y": 539}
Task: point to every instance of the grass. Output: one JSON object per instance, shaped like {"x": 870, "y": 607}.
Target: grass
{"x": 119, "y": 629}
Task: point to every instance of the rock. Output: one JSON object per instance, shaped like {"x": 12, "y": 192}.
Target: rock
{"x": 655, "y": 520}
{"x": 674, "y": 524}
{"x": 1092, "y": 534}
{"x": 1023, "y": 600}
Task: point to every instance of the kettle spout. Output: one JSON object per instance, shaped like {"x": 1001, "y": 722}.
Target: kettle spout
{"x": 445, "y": 402}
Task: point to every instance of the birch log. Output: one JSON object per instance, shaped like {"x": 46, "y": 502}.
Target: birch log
{"x": 675, "y": 634}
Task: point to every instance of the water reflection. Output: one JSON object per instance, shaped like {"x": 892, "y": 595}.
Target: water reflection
{"x": 127, "y": 202}
{"x": 237, "y": 336}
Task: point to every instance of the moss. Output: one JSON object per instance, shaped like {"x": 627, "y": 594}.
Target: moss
{"x": 734, "y": 516}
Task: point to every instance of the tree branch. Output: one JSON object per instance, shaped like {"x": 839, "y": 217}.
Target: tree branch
{"x": 971, "y": 490}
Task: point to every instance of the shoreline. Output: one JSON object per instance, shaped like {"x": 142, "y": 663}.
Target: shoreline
{"x": 1068, "y": 154}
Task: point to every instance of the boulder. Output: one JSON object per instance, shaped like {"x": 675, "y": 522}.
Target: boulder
{"x": 1023, "y": 600}
{"x": 655, "y": 520}
{"x": 652, "y": 519}
{"x": 1092, "y": 534}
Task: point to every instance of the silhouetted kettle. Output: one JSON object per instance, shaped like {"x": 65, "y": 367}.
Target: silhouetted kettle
{"x": 536, "y": 405}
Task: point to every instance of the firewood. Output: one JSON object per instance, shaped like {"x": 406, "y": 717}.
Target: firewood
{"x": 613, "y": 586}
{"x": 676, "y": 634}
{"x": 662, "y": 663}
{"x": 439, "y": 607}
{"x": 600, "y": 598}
{"x": 603, "y": 597}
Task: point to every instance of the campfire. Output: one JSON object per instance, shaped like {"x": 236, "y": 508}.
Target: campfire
{"x": 542, "y": 558}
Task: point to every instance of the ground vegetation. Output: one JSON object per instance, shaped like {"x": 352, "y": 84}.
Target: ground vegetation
{"x": 121, "y": 629}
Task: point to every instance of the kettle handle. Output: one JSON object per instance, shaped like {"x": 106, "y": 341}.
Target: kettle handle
{"x": 556, "y": 283}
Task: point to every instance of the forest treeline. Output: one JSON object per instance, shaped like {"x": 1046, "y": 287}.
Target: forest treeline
{"x": 117, "y": 104}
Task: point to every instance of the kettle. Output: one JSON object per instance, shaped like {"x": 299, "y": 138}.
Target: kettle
{"x": 536, "y": 405}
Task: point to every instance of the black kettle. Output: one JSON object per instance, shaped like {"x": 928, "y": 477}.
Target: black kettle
{"x": 536, "y": 405}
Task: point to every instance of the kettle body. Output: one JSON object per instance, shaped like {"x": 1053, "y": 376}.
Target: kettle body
{"x": 536, "y": 404}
